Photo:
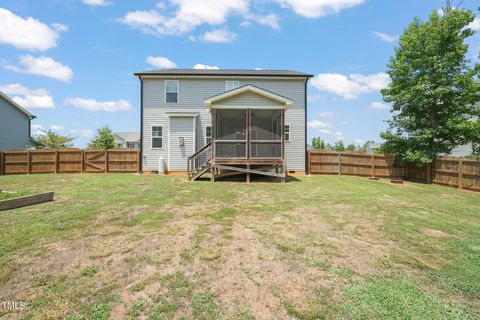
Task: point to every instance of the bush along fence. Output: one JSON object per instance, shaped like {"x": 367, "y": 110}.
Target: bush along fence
{"x": 69, "y": 161}
{"x": 462, "y": 173}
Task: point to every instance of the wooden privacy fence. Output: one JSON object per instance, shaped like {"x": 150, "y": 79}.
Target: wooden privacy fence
{"x": 463, "y": 173}
{"x": 69, "y": 161}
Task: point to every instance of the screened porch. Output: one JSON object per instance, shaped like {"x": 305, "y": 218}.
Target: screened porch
{"x": 248, "y": 134}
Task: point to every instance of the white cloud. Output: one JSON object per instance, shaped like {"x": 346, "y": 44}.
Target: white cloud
{"x": 344, "y": 122}
{"x": 93, "y": 105}
{"x": 379, "y": 106}
{"x": 475, "y": 25}
{"x": 161, "y": 62}
{"x": 60, "y": 27}
{"x": 386, "y": 37}
{"x": 203, "y": 66}
{"x": 188, "y": 15}
{"x": 28, "y": 98}
{"x": 326, "y": 114}
{"x": 219, "y": 36}
{"x": 96, "y": 2}
{"x": 42, "y": 66}
{"x": 350, "y": 87}
{"x": 56, "y": 127}
{"x": 317, "y": 124}
{"x": 318, "y": 8}
{"x": 359, "y": 141}
{"x": 313, "y": 97}
{"x": 37, "y": 129}
{"x": 86, "y": 133}
{"x": 28, "y": 34}
{"x": 270, "y": 20}
{"x": 336, "y": 134}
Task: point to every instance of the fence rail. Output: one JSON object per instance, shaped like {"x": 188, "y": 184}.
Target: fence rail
{"x": 69, "y": 161}
{"x": 463, "y": 173}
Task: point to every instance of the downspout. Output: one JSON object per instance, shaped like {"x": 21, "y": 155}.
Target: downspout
{"x": 306, "y": 117}
{"x": 141, "y": 124}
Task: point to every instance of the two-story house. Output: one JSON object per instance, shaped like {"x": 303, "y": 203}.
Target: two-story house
{"x": 14, "y": 125}
{"x": 224, "y": 121}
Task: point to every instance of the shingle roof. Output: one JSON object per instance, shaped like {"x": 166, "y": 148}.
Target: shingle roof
{"x": 17, "y": 106}
{"x": 225, "y": 72}
{"x": 128, "y": 136}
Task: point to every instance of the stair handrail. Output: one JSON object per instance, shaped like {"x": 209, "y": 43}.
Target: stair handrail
{"x": 192, "y": 164}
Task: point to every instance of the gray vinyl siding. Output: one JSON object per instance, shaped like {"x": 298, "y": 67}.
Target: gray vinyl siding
{"x": 192, "y": 93}
{"x": 14, "y": 127}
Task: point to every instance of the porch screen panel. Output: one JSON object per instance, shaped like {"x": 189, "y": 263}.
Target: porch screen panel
{"x": 231, "y": 138}
{"x": 266, "y": 134}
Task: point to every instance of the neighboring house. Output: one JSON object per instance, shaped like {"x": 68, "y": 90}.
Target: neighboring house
{"x": 15, "y": 126}
{"x": 130, "y": 140}
{"x": 373, "y": 147}
{"x": 462, "y": 151}
{"x": 241, "y": 119}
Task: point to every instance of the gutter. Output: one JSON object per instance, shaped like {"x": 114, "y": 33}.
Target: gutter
{"x": 141, "y": 124}
{"x": 306, "y": 133}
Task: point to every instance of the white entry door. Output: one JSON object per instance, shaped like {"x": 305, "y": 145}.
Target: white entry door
{"x": 180, "y": 142}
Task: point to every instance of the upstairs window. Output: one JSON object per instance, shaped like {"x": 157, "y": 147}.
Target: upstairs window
{"x": 230, "y": 85}
{"x": 171, "y": 91}
{"x": 157, "y": 137}
{"x": 287, "y": 132}
{"x": 208, "y": 135}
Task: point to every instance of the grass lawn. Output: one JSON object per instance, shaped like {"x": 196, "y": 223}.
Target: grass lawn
{"x": 324, "y": 247}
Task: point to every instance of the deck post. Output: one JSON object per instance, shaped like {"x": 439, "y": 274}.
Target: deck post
{"x": 212, "y": 178}
{"x": 248, "y": 173}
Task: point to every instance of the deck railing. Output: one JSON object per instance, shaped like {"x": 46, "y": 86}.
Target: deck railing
{"x": 199, "y": 159}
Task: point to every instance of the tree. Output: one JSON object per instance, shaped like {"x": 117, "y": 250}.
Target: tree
{"x": 103, "y": 139}
{"x": 51, "y": 140}
{"x": 339, "y": 146}
{"x": 351, "y": 147}
{"x": 364, "y": 147}
{"x": 434, "y": 89}
{"x": 318, "y": 144}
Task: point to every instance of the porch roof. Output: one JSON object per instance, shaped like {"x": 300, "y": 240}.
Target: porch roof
{"x": 215, "y": 101}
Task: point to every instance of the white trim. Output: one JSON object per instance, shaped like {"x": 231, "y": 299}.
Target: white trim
{"x": 219, "y": 106}
{"x": 178, "y": 91}
{"x": 243, "y": 77}
{"x": 151, "y": 138}
{"x": 237, "y": 81}
{"x": 289, "y": 132}
{"x": 194, "y": 135}
{"x": 182, "y": 114}
{"x": 249, "y": 88}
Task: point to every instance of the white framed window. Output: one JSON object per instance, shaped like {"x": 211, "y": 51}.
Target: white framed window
{"x": 208, "y": 134}
{"x": 231, "y": 84}
{"x": 287, "y": 133}
{"x": 157, "y": 137}
{"x": 171, "y": 91}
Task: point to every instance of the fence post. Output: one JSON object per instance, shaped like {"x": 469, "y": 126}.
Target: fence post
{"x": 106, "y": 160}
{"x": 460, "y": 174}
{"x": 56, "y": 161}
{"x": 138, "y": 161}
{"x": 29, "y": 170}
{"x": 1, "y": 162}
{"x": 339, "y": 164}
{"x": 82, "y": 161}
{"x": 373, "y": 165}
{"x": 429, "y": 173}
{"x": 309, "y": 162}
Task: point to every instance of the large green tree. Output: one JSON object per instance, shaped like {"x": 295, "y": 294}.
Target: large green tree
{"x": 51, "y": 140}
{"x": 434, "y": 90}
{"x": 104, "y": 139}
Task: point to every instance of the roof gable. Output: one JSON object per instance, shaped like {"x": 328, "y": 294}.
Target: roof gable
{"x": 250, "y": 93}
{"x": 16, "y": 105}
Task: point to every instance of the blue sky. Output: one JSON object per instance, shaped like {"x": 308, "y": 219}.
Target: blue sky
{"x": 70, "y": 62}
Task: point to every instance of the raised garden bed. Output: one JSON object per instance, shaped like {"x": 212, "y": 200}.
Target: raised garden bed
{"x": 22, "y": 199}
